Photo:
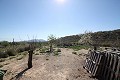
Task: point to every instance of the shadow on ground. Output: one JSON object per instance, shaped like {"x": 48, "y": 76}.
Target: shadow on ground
{"x": 19, "y": 75}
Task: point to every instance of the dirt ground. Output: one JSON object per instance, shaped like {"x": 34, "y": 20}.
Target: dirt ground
{"x": 65, "y": 66}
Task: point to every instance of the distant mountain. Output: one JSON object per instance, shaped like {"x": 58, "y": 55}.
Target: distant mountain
{"x": 36, "y": 40}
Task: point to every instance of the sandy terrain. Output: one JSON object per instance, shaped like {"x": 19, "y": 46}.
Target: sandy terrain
{"x": 66, "y": 66}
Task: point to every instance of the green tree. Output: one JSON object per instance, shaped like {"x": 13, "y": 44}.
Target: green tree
{"x": 51, "y": 41}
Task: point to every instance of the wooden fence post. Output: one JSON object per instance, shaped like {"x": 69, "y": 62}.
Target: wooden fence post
{"x": 30, "y": 58}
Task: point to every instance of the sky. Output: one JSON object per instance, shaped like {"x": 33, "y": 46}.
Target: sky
{"x": 28, "y": 19}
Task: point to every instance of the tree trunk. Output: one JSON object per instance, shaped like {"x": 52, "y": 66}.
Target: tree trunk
{"x": 30, "y": 59}
{"x": 51, "y": 48}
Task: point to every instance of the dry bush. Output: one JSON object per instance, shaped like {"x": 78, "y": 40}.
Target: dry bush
{"x": 3, "y": 55}
{"x": 11, "y": 52}
{"x": 74, "y": 53}
{"x": 58, "y": 50}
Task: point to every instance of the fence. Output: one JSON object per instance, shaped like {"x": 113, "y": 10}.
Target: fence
{"x": 104, "y": 65}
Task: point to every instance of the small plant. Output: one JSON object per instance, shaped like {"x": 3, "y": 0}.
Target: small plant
{"x": 37, "y": 50}
{"x": 43, "y": 50}
{"x": 19, "y": 50}
{"x": 74, "y": 53}
{"x": 1, "y": 65}
{"x": 58, "y": 50}
{"x": 3, "y": 55}
{"x": 55, "y": 53}
{"x": 19, "y": 58}
{"x": 2, "y": 60}
{"x": 11, "y": 57}
{"x": 27, "y": 48}
{"x": 6, "y": 63}
{"x": 24, "y": 53}
{"x": 47, "y": 59}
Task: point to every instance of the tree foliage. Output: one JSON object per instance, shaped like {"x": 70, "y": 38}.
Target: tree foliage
{"x": 51, "y": 40}
{"x": 86, "y": 38}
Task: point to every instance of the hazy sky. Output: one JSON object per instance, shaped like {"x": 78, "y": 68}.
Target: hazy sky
{"x": 40, "y": 18}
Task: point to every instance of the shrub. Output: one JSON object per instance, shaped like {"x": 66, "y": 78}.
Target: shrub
{"x": 11, "y": 57}
{"x": 27, "y": 48}
{"x": 1, "y": 65}
{"x": 3, "y": 55}
{"x": 42, "y": 51}
{"x": 24, "y": 53}
{"x": 19, "y": 50}
{"x": 5, "y": 43}
{"x": 6, "y": 63}
{"x": 47, "y": 59}
{"x": 74, "y": 53}
{"x": 11, "y": 52}
{"x": 58, "y": 50}
{"x": 20, "y": 57}
{"x": 55, "y": 53}
{"x": 2, "y": 60}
